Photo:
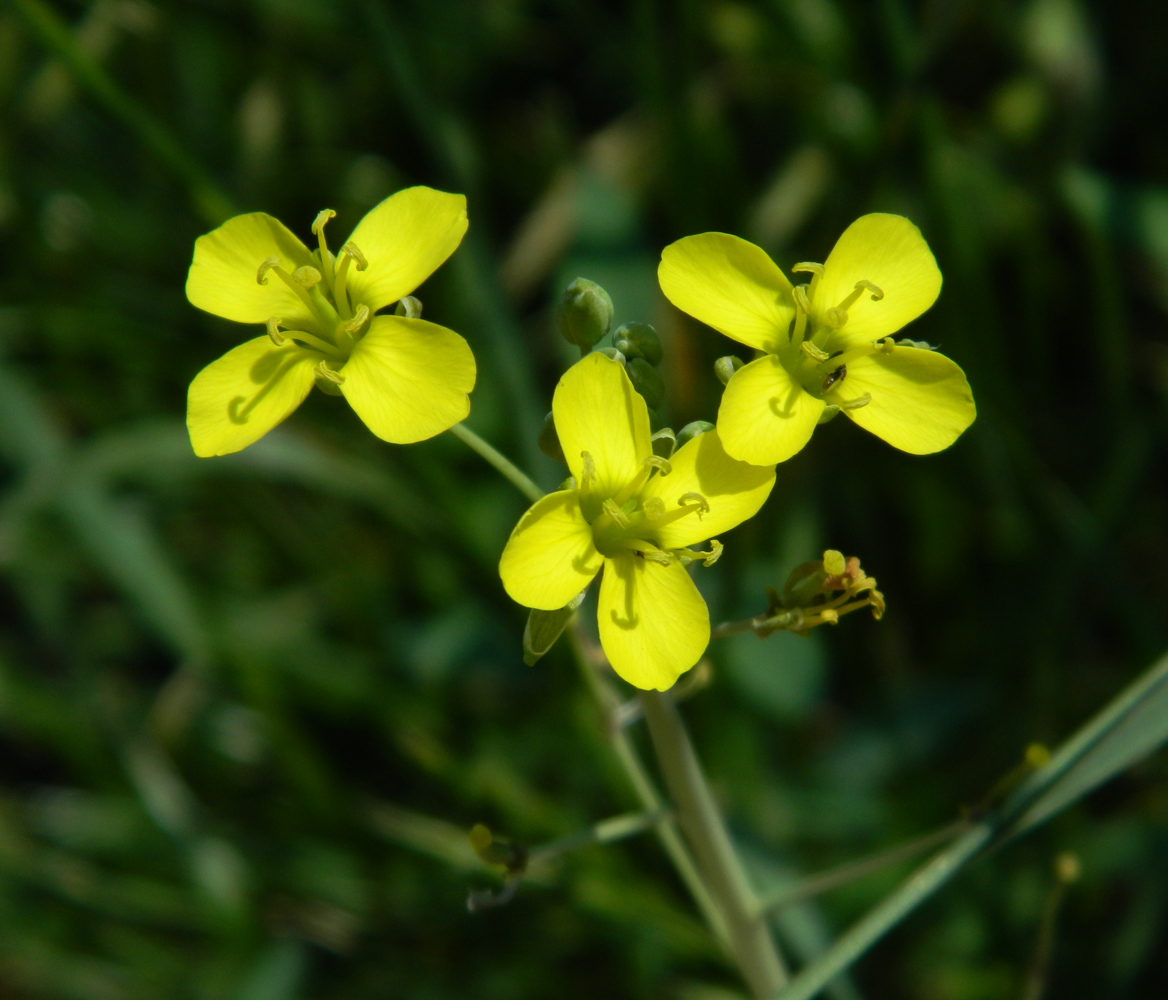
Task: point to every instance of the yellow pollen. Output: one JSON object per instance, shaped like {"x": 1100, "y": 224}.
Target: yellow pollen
{"x": 359, "y": 320}
{"x": 799, "y": 293}
{"x": 813, "y": 352}
{"x": 808, "y": 267}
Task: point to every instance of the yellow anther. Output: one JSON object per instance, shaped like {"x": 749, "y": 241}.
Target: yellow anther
{"x": 660, "y": 464}
{"x": 619, "y": 517}
{"x": 654, "y": 508}
{"x": 877, "y": 292}
{"x": 324, "y": 371}
{"x": 887, "y": 345}
{"x": 359, "y": 320}
{"x": 321, "y": 218}
{"x": 714, "y": 554}
{"x": 264, "y": 268}
{"x": 855, "y": 404}
{"x": 808, "y": 267}
{"x": 307, "y": 276}
{"x": 358, "y": 257}
{"x": 274, "y": 334}
{"x": 799, "y": 293}
{"x": 834, "y": 562}
{"x": 703, "y": 505}
{"x": 588, "y": 472}
{"x": 813, "y": 352}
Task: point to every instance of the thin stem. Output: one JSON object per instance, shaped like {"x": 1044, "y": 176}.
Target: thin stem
{"x": 1025, "y": 807}
{"x": 775, "y": 623}
{"x": 607, "y": 831}
{"x": 698, "y": 815}
{"x": 504, "y": 466}
{"x": 853, "y": 870}
{"x": 651, "y": 801}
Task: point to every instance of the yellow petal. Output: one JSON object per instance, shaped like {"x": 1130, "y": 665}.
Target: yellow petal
{"x": 731, "y": 285}
{"x": 236, "y": 400}
{"x": 222, "y": 278}
{"x": 765, "y": 416}
{"x": 921, "y": 401}
{"x": 889, "y": 251}
{"x": 734, "y": 490}
{"x": 549, "y": 557}
{"x": 653, "y": 622}
{"x": 408, "y": 379}
{"x": 405, "y": 239}
{"x": 597, "y": 410}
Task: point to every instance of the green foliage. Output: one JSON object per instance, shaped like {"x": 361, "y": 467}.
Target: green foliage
{"x": 250, "y": 707}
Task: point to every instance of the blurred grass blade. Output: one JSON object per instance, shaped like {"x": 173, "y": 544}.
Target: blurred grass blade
{"x": 1133, "y": 724}
{"x": 209, "y": 201}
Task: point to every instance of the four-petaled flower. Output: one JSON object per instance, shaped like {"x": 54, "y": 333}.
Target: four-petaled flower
{"x": 826, "y": 343}
{"x": 406, "y": 378}
{"x": 636, "y": 516}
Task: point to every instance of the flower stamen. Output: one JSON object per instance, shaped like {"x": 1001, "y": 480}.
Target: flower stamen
{"x": 857, "y": 403}
{"x": 274, "y": 334}
{"x": 326, "y": 258}
{"x": 837, "y": 316}
{"x": 635, "y": 485}
{"x": 614, "y": 511}
{"x": 349, "y": 254}
{"x": 325, "y": 372}
{"x": 307, "y": 276}
{"x": 264, "y": 268}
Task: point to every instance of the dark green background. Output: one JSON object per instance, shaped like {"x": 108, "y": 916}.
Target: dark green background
{"x": 249, "y": 706}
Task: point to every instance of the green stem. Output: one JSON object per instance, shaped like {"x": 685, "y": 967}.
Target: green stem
{"x": 607, "y": 831}
{"x": 1021, "y": 810}
{"x": 847, "y": 873}
{"x": 698, "y": 815}
{"x": 505, "y": 467}
{"x": 651, "y": 801}
{"x": 210, "y": 202}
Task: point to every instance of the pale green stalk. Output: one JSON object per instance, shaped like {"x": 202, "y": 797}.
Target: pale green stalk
{"x": 503, "y": 465}
{"x": 700, "y": 819}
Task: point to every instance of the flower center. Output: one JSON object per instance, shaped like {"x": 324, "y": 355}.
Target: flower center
{"x": 819, "y": 370}
{"x": 628, "y": 522}
{"x": 333, "y": 325}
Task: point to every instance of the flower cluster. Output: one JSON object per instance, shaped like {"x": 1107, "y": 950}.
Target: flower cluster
{"x": 634, "y": 510}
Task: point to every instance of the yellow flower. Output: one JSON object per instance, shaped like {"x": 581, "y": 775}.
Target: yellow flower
{"x": 406, "y": 378}
{"x": 825, "y": 344}
{"x": 634, "y": 515}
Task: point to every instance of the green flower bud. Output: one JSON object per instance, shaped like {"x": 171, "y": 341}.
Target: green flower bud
{"x": 638, "y": 340}
{"x": 692, "y": 430}
{"x": 544, "y": 628}
{"x": 584, "y": 314}
{"x": 646, "y": 381}
{"x": 549, "y": 440}
{"x": 664, "y": 443}
{"x": 725, "y": 367}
